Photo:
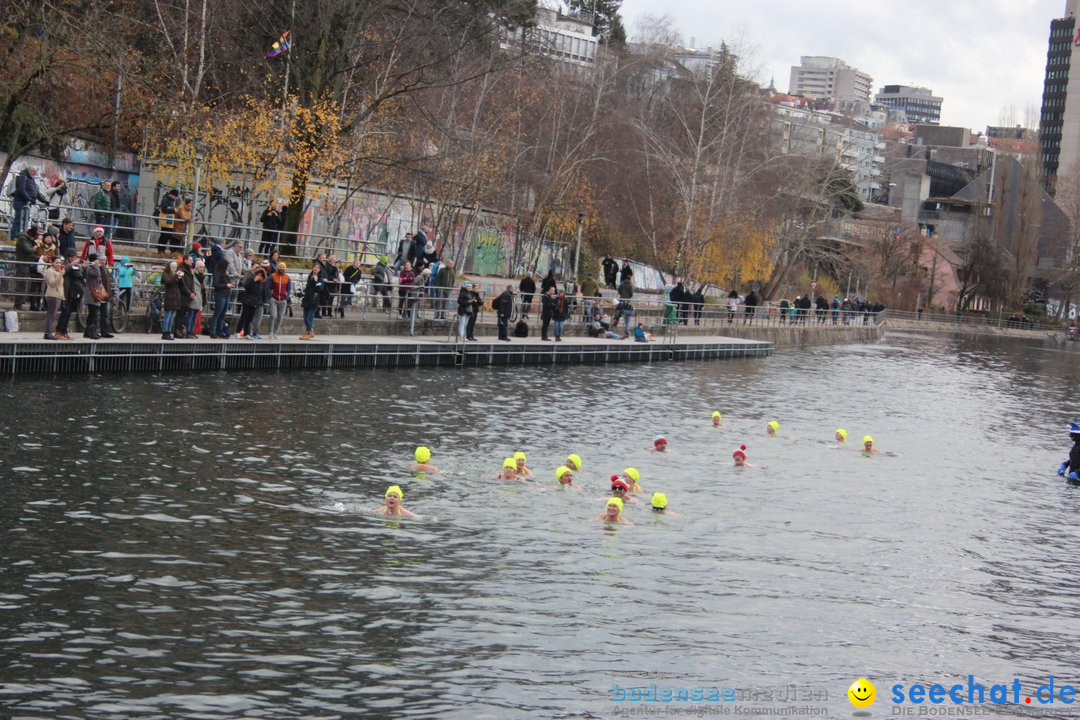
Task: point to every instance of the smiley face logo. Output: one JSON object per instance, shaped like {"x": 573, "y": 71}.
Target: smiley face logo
{"x": 862, "y": 693}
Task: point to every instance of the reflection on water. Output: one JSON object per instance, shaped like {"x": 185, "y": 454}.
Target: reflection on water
{"x": 202, "y": 546}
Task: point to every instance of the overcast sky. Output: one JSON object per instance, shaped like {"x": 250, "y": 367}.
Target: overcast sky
{"x": 980, "y": 56}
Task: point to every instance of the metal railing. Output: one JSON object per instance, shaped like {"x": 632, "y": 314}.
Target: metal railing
{"x": 1015, "y": 321}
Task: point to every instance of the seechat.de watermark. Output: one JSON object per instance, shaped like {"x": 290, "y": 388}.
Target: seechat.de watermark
{"x": 972, "y": 693}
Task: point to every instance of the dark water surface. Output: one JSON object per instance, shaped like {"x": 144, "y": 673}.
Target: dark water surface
{"x": 200, "y": 545}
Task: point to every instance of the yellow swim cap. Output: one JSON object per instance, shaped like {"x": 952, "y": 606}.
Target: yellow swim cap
{"x": 842, "y": 433}
{"x": 519, "y": 456}
{"x": 510, "y": 463}
{"x": 867, "y": 439}
{"x": 659, "y": 500}
{"x": 575, "y": 459}
{"x": 394, "y": 490}
{"x": 423, "y": 454}
{"x": 716, "y": 414}
{"x": 615, "y": 501}
{"x": 773, "y": 425}
{"x": 560, "y": 471}
{"x": 632, "y": 473}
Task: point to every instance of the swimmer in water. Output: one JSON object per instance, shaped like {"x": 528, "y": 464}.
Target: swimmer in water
{"x": 868, "y": 446}
{"x": 739, "y": 457}
{"x": 1070, "y": 469}
{"x": 394, "y": 498}
{"x": 716, "y": 418}
{"x": 565, "y": 476}
{"x": 613, "y": 512}
{"x": 631, "y": 476}
{"x": 423, "y": 454}
{"x": 573, "y": 462}
{"x": 659, "y": 504}
{"x": 659, "y": 444}
{"x": 773, "y": 427}
{"x": 519, "y": 461}
{"x": 509, "y": 471}
{"x": 840, "y": 435}
{"x": 621, "y": 490}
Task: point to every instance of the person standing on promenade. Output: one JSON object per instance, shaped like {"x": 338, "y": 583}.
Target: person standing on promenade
{"x": 115, "y": 204}
{"x": 504, "y": 308}
{"x": 254, "y": 295}
{"x": 627, "y": 272}
{"x": 678, "y": 299}
{"x": 102, "y": 204}
{"x": 548, "y": 282}
{"x": 66, "y": 237}
{"x": 280, "y": 290}
{"x": 547, "y": 311}
{"x": 404, "y": 245}
{"x": 444, "y": 282}
{"x": 406, "y": 278}
{"x": 527, "y": 288}
{"x": 310, "y": 302}
{"x": 167, "y": 220}
{"x": 170, "y": 281}
{"x": 560, "y": 314}
{"x": 26, "y": 244}
{"x": 107, "y": 286}
{"x": 185, "y": 277}
{"x": 73, "y": 292}
{"x": 94, "y": 286}
{"x": 611, "y": 271}
{"x": 271, "y": 223}
{"x": 235, "y": 257}
{"x": 198, "y": 284}
{"x": 353, "y": 276}
{"x": 380, "y": 283}
{"x": 625, "y": 309}
{"x": 475, "y": 303}
{"x": 464, "y": 309}
{"x": 221, "y": 281}
{"x": 750, "y": 307}
{"x": 54, "y": 294}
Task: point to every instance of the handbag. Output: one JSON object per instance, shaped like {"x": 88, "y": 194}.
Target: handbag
{"x": 99, "y": 293}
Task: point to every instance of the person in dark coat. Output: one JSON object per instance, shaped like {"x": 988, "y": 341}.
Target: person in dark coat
{"x": 464, "y": 309}
{"x": 313, "y": 291}
{"x": 527, "y": 288}
{"x": 25, "y": 194}
{"x": 271, "y": 223}
{"x": 627, "y": 272}
{"x": 678, "y": 298}
{"x": 65, "y": 239}
{"x": 611, "y": 271}
{"x": 750, "y": 304}
{"x": 504, "y": 308}
{"x": 221, "y": 282}
{"x": 475, "y": 303}
{"x": 548, "y": 282}
{"x": 254, "y": 296}
{"x": 416, "y": 250}
{"x": 185, "y": 275}
{"x": 74, "y": 287}
{"x": 93, "y": 306}
{"x": 697, "y": 299}
{"x": 547, "y": 311}
{"x": 171, "y": 305}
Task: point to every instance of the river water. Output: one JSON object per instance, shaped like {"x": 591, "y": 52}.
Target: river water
{"x": 201, "y": 545}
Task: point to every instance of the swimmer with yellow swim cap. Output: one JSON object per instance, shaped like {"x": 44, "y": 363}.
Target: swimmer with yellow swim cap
{"x": 613, "y": 512}
{"x": 868, "y": 446}
{"x": 621, "y": 490}
{"x": 659, "y": 504}
{"x": 631, "y": 476}
{"x": 509, "y": 471}
{"x": 773, "y": 427}
{"x": 573, "y": 461}
{"x": 841, "y": 435}
{"x": 659, "y": 444}
{"x": 423, "y": 454}
{"x": 519, "y": 461}
{"x": 565, "y": 476}
{"x": 716, "y": 418}
{"x": 394, "y": 497}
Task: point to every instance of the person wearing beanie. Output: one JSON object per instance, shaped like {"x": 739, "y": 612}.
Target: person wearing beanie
{"x": 739, "y": 456}
{"x": 98, "y": 244}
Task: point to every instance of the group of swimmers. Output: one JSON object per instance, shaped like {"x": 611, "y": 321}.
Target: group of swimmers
{"x": 623, "y": 487}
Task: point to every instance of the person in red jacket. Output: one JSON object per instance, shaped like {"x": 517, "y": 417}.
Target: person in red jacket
{"x": 94, "y": 244}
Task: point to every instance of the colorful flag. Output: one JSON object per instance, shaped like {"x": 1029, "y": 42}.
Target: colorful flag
{"x": 281, "y": 46}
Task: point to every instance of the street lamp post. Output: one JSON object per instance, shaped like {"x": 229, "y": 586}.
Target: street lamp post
{"x": 577, "y": 253}
{"x": 195, "y": 196}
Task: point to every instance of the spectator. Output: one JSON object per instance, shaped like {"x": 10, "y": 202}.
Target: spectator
{"x": 548, "y": 282}
{"x": 310, "y": 303}
{"x": 331, "y": 284}
{"x": 750, "y": 307}
{"x": 625, "y": 309}
{"x": 698, "y": 300}
{"x": 107, "y": 287}
{"x": 527, "y": 288}
{"x": 679, "y": 300}
{"x": 54, "y": 294}
{"x": 166, "y": 212}
{"x": 822, "y": 308}
{"x": 475, "y": 303}
{"x": 404, "y": 246}
{"x": 66, "y": 237}
{"x": 170, "y": 281}
{"x": 271, "y": 223}
{"x": 547, "y": 311}
{"x": 611, "y": 271}
{"x": 102, "y": 204}
{"x": 99, "y": 245}
{"x": 353, "y": 276}
{"x": 194, "y": 326}
{"x": 732, "y": 305}
{"x": 280, "y": 291}
{"x": 26, "y": 244}
{"x": 114, "y": 208}
{"x": 254, "y": 296}
{"x": 196, "y": 252}
{"x": 25, "y": 194}
{"x": 236, "y": 259}
{"x": 406, "y": 278}
{"x": 216, "y": 255}
{"x": 627, "y": 273}
{"x": 180, "y": 224}
{"x": 419, "y": 244}
{"x": 380, "y": 282}
{"x": 74, "y": 286}
{"x": 94, "y": 286}
{"x": 444, "y": 282}
{"x": 464, "y": 309}
{"x": 560, "y": 313}
{"x": 222, "y": 282}
{"x": 125, "y": 280}
{"x": 185, "y": 276}
{"x": 57, "y": 192}
{"x": 784, "y": 307}
{"x": 504, "y": 308}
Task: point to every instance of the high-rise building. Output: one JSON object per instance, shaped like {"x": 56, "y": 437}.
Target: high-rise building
{"x": 920, "y": 104}
{"x": 1059, "y": 122}
{"x": 822, "y": 78}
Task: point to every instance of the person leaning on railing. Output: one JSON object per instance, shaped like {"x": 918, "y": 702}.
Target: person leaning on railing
{"x": 380, "y": 281}
{"x": 25, "y": 257}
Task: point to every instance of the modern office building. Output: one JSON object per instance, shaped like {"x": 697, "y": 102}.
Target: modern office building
{"x": 821, "y": 78}
{"x": 919, "y": 104}
{"x": 1059, "y": 121}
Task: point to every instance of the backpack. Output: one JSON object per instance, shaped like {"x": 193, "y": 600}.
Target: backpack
{"x": 521, "y": 330}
